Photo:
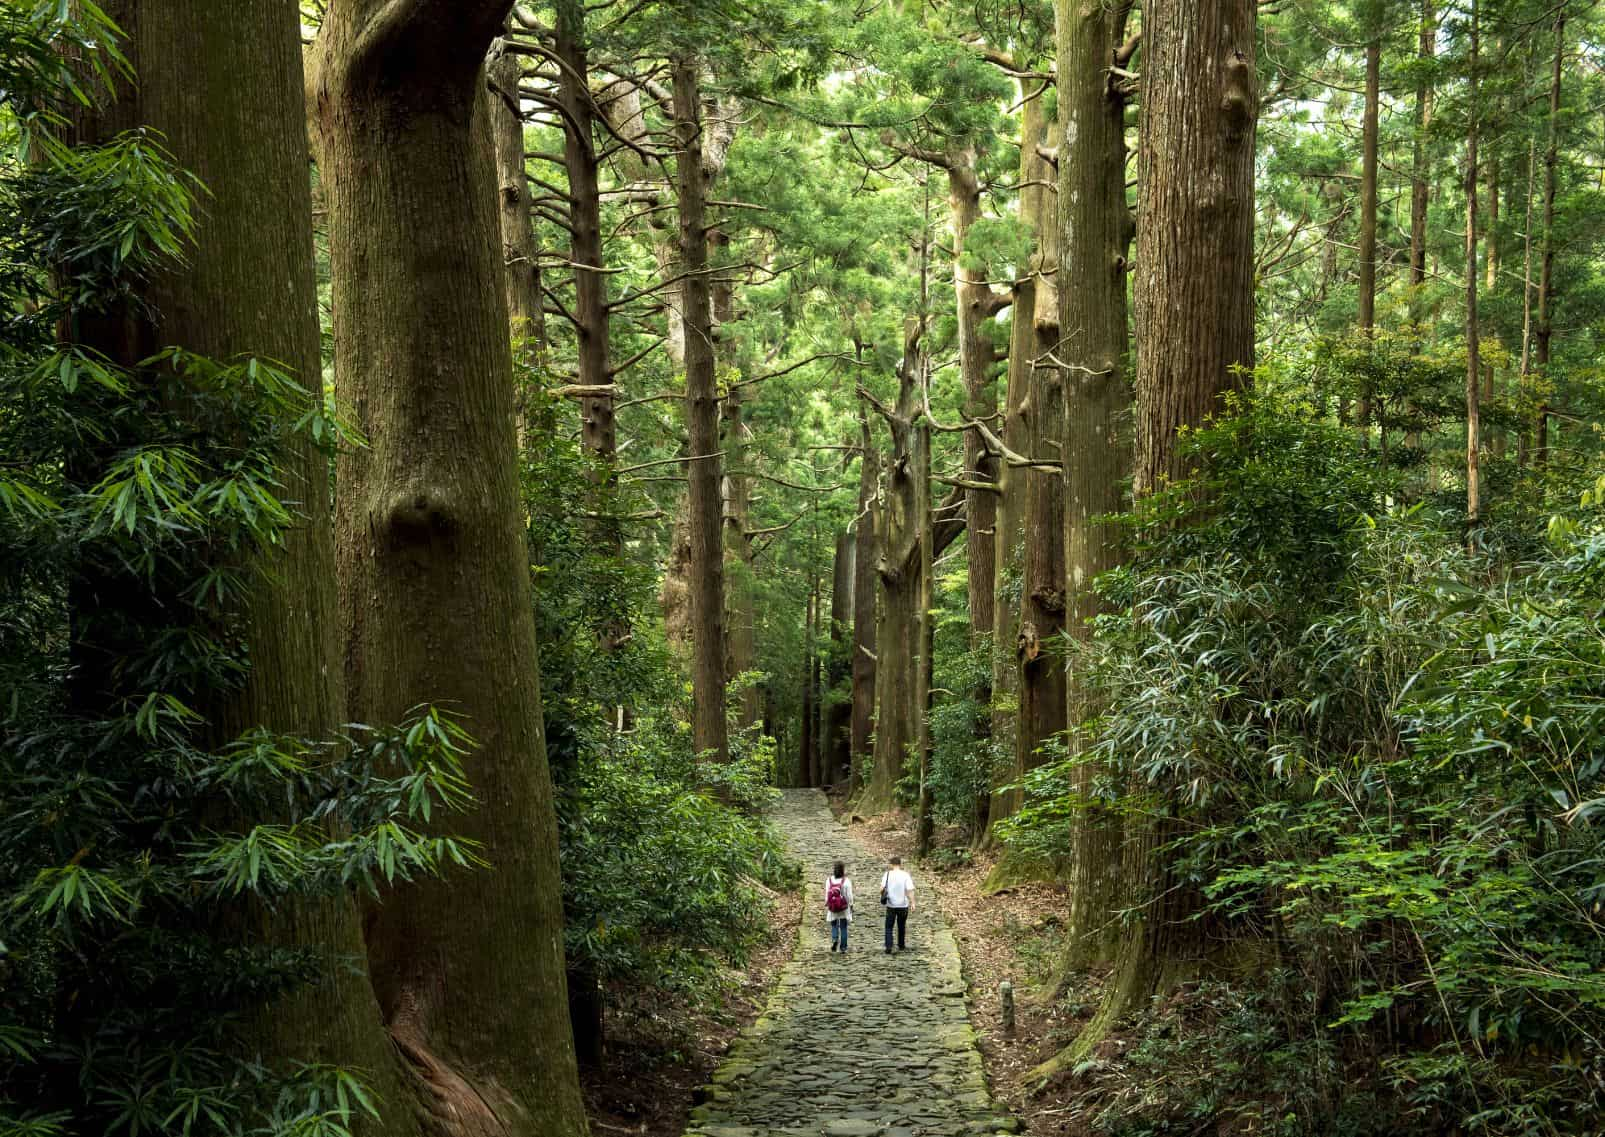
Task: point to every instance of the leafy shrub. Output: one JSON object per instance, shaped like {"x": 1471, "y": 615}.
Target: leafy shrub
{"x": 1383, "y": 755}
{"x": 145, "y": 847}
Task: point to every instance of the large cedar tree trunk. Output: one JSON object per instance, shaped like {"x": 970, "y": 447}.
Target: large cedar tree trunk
{"x": 434, "y": 575}
{"x": 1094, "y": 241}
{"x": 1195, "y": 324}
{"x": 248, "y": 287}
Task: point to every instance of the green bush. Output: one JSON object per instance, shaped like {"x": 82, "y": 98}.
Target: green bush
{"x": 1384, "y": 754}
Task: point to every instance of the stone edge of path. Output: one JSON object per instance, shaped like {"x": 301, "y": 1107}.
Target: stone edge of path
{"x": 952, "y": 983}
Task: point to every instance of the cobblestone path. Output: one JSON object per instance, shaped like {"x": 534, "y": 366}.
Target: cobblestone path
{"x": 857, "y": 1045}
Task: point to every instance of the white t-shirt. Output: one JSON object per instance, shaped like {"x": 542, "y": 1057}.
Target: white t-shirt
{"x": 899, "y": 888}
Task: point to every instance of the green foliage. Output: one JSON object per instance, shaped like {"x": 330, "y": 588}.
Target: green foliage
{"x": 1383, "y": 755}
{"x": 666, "y": 860}
{"x": 144, "y": 845}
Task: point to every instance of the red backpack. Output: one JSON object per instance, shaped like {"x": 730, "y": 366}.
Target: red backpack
{"x": 835, "y": 897}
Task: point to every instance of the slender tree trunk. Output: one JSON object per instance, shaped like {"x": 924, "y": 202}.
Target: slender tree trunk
{"x": 976, "y": 304}
{"x": 838, "y": 711}
{"x": 741, "y": 646}
{"x": 1038, "y": 654}
{"x": 1368, "y": 194}
{"x": 866, "y": 551}
{"x": 1094, "y": 241}
{"x": 521, "y": 275}
{"x": 432, "y": 563}
{"x": 1420, "y": 183}
{"x": 1473, "y": 336}
{"x": 1035, "y": 173}
{"x": 808, "y": 774}
{"x": 248, "y": 286}
{"x": 1524, "y": 367}
{"x": 1368, "y": 212}
{"x": 1546, "y": 262}
{"x": 598, "y": 434}
{"x": 708, "y": 729}
{"x": 926, "y": 633}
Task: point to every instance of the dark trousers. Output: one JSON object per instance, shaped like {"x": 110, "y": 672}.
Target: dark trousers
{"x": 899, "y": 917}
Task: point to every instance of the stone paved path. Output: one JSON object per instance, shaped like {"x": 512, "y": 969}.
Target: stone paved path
{"x": 861, "y": 1045}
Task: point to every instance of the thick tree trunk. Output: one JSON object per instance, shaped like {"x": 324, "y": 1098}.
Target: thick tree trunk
{"x": 1195, "y": 322}
{"x": 1195, "y": 245}
{"x": 1094, "y": 241}
{"x": 1473, "y": 332}
{"x": 1546, "y": 261}
{"x": 432, "y": 565}
{"x": 249, "y": 287}
{"x": 708, "y": 727}
{"x": 866, "y": 551}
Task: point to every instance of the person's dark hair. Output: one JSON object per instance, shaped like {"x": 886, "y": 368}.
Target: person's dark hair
{"x": 897, "y": 860}
{"x": 839, "y": 871}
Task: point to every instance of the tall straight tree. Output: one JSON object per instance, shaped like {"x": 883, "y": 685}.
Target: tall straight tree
{"x": 1545, "y": 331}
{"x": 1009, "y": 543}
{"x": 1420, "y": 186}
{"x": 866, "y": 550}
{"x": 1195, "y": 327}
{"x": 249, "y": 287}
{"x": 434, "y": 577}
{"x": 704, "y": 508}
{"x": 1094, "y": 244}
{"x": 1194, "y": 288}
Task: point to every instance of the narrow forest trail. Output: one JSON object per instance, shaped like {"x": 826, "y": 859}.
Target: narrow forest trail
{"x": 861, "y": 1045}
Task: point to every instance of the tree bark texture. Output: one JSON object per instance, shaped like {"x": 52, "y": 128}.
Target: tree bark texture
{"x": 706, "y": 582}
{"x": 1368, "y": 198}
{"x": 521, "y": 275}
{"x": 925, "y": 633}
{"x": 1194, "y": 285}
{"x": 976, "y": 304}
{"x": 866, "y": 552}
{"x": 808, "y": 775}
{"x": 1009, "y": 544}
{"x": 598, "y": 434}
{"x": 1544, "y": 335}
{"x": 248, "y": 287}
{"x": 1195, "y": 322}
{"x": 837, "y": 735}
{"x": 741, "y": 654}
{"x": 433, "y": 570}
{"x": 1093, "y": 245}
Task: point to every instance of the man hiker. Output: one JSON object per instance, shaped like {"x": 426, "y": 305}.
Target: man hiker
{"x": 897, "y": 894}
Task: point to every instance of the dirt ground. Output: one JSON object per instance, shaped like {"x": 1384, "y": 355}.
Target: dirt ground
{"x": 658, "y": 1055}
{"x": 1011, "y": 935}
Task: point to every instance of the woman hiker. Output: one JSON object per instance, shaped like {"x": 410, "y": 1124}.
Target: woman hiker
{"x": 839, "y": 905}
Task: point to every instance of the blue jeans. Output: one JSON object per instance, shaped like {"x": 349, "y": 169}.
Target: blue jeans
{"x": 838, "y": 933}
{"x": 898, "y": 917}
